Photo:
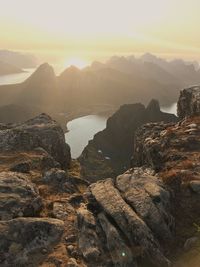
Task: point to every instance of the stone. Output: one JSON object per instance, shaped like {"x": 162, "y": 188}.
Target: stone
{"x": 189, "y": 102}
{"x": 70, "y": 248}
{"x": 26, "y": 241}
{"x": 18, "y": 196}
{"x": 88, "y": 242}
{"x": 76, "y": 199}
{"x": 134, "y": 229}
{"x": 23, "y": 167}
{"x": 41, "y": 131}
{"x": 195, "y": 186}
{"x": 191, "y": 243}
{"x": 147, "y": 196}
{"x": 72, "y": 263}
{"x": 120, "y": 252}
{"x": 61, "y": 209}
{"x": 70, "y": 239}
{"x": 55, "y": 176}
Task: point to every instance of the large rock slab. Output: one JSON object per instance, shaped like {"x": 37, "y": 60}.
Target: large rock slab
{"x": 147, "y": 195}
{"x": 41, "y": 131}
{"x": 18, "y": 196}
{"x": 25, "y": 241}
{"x": 88, "y": 239}
{"x": 189, "y": 102}
{"x": 134, "y": 230}
{"x": 120, "y": 252}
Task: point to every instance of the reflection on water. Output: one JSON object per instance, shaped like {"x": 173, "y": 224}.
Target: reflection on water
{"x": 82, "y": 130}
{"x": 16, "y": 78}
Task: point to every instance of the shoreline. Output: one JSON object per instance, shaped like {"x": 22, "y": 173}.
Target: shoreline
{"x": 72, "y": 115}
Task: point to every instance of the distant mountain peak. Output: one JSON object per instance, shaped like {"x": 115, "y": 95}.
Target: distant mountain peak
{"x": 153, "y": 106}
{"x": 148, "y": 57}
{"x": 45, "y": 67}
{"x": 44, "y": 73}
{"x": 70, "y": 71}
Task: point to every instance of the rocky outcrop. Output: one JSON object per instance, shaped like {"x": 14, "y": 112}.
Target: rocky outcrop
{"x": 42, "y": 132}
{"x": 33, "y": 189}
{"x": 189, "y": 102}
{"x": 148, "y": 149}
{"x": 134, "y": 214}
{"x": 19, "y": 197}
{"x": 26, "y": 241}
{"x": 88, "y": 239}
{"x": 147, "y": 215}
{"x": 172, "y": 150}
{"x": 109, "y": 153}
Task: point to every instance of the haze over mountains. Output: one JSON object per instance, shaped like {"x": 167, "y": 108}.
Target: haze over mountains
{"x": 20, "y": 60}
{"x": 14, "y": 62}
{"x": 6, "y": 68}
{"x": 121, "y": 80}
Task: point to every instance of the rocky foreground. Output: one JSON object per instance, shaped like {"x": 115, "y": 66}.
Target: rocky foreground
{"x": 148, "y": 216}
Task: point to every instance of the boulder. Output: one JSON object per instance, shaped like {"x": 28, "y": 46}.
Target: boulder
{"x": 23, "y": 167}
{"x": 189, "y": 102}
{"x": 72, "y": 263}
{"x": 150, "y": 199}
{"x": 120, "y": 252}
{"x": 25, "y": 241}
{"x": 55, "y": 176}
{"x": 41, "y": 131}
{"x": 134, "y": 215}
{"x": 190, "y": 243}
{"x": 195, "y": 186}
{"x": 88, "y": 241}
{"x": 18, "y": 196}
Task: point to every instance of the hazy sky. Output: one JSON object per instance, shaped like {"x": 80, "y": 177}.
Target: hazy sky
{"x": 93, "y": 29}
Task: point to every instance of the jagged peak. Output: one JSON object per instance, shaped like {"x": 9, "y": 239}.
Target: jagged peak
{"x": 43, "y": 72}
{"x": 72, "y": 70}
{"x": 153, "y": 106}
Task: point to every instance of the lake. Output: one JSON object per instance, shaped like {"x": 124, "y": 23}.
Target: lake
{"x": 16, "y": 78}
{"x": 82, "y": 130}
{"x": 170, "y": 109}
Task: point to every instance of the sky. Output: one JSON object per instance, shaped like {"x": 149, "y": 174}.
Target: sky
{"x": 86, "y": 30}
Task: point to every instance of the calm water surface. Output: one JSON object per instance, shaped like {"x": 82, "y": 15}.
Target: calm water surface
{"x": 82, "y": 130}
{"x": 15, "y": 78}
{"x": 170, "y": 109}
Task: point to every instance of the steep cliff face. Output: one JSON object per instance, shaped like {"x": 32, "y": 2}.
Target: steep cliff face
{"x": 110, "y": 151}
{"x": 189, "y": 102}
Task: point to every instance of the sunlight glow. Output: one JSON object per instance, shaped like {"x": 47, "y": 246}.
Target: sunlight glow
{"x": 101, "y": 27}
{"x": 77, "y": 62}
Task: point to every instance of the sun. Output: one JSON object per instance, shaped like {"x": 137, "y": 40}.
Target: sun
{"x": 77, "y": 62}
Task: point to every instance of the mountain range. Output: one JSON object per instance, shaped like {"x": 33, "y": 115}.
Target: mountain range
{"x": 121, "y": 80}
